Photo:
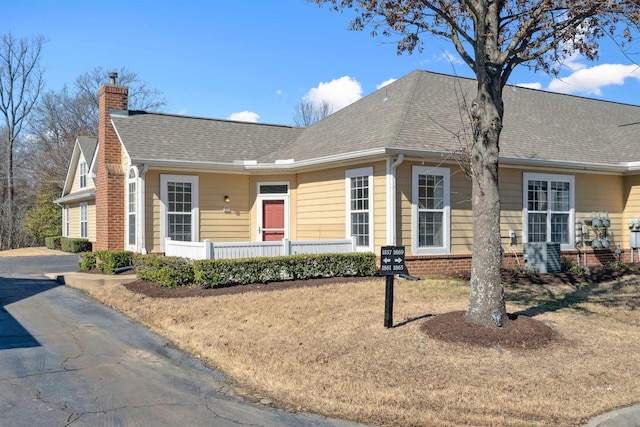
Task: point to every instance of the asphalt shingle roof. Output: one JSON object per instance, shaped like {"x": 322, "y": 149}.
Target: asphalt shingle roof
{"x": 152, "y": 136}
{"x": 419, "y": 112}
{"x": 88, "y": 145}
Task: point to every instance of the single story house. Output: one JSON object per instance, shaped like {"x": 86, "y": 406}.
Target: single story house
{"x": 385, "y": 170}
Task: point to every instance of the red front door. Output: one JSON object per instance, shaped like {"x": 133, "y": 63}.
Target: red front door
{"x": 272, "y": 220}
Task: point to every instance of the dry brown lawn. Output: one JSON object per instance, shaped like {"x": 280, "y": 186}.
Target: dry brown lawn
{"x": 325, "y": 350}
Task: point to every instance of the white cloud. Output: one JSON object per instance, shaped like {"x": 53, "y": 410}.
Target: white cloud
{"x": 338, "y": 93}
{"x": 590, "y": 81}
{"x": 385, "y": 83}
{"x": 279, "y": 92}
{"x": 244, "y": 116}
{"x": 449, "y": 57}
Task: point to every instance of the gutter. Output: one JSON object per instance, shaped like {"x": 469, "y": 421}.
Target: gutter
{"x": 391, "y": 198}
{"x": 77, "y": 197}
{"x": 241, "y": 166}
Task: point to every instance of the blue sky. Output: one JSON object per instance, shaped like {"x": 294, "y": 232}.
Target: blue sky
{"x": 255, "y": 60}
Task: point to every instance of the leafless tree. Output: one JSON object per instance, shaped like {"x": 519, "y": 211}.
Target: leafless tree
{"x": 307, "y": 113}
{"x": 493, "y": 37}
{"x": 62, "y": 116}
{"x": 21, "y": 81}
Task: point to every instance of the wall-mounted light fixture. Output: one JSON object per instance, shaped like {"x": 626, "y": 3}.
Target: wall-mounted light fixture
{"x": 226, "y": 207}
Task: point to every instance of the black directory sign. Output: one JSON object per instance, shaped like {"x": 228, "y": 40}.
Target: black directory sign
{"x": 392, "y": 260}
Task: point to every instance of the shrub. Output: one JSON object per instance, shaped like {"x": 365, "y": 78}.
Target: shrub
{"x": 571, "y": 266}
{"x": 75, "y": 245}
{"x": 109, "y": 261}
{"x": 220, "y": 272}
{"x": 171, "y": 272}
{"x": 53, "y": 242}
{"x": 617, "y": 265}
{"x": 87, "y": 261}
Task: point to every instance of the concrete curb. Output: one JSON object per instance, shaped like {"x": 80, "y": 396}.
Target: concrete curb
{"x": 88, "y": 282}
{"x": 624, "y": 417}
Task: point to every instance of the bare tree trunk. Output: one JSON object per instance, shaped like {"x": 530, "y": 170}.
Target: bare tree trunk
{"x": 486, "y": 302}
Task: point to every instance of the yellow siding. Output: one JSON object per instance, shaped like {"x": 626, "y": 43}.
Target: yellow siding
{"x": 603, "y": 193}
{"x": 631, "y": 203}
{"x": 320, "y": 207}
{"x": 379, "y": 205}
{"x": 75, "y": 186}
{"x": 152, "y": 211}
{"x": 219, "y": 226}
{"x": 74, "y": 220}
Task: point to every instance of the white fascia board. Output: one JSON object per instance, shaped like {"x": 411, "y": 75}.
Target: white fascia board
{"x": 120, "y": 139}
{"x": 632, "y": 166}
{"x": 75, "y": 155}
{"x": 319, "y": 160}
{"x": 562, "y": 164}
{"x": 77, "y": 197}
{"x": 183, "y": 165}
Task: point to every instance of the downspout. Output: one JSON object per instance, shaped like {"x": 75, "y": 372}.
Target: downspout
{"x": 141, "y": 204}
{"x": 391, "y": 199}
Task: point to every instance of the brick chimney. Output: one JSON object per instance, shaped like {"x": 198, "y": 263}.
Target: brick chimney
{"x": 110, "y": 178}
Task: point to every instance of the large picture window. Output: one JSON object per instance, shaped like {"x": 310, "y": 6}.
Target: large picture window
{"x": 359, "y": 185}
{"x": 179, "y": 207}
{"x": 549, "y": 209}
{"x": 431, "y": 210}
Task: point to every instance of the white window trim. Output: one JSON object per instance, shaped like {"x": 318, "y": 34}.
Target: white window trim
{"x": 130, "y": 180}
{"x": 195, "y": 212}
{"x": 528, "y": 176}
{"x": 85, "y": 206}
{"x": 446, "y": 211}
{"x": 275, "y": 196}
{"x": 353, "y": 173}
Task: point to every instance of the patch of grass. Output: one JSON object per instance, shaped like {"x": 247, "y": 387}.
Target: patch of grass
{"x": 325, "y": 349}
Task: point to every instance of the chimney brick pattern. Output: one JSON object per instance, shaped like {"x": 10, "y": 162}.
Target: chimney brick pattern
{"x": 110, "y": 178}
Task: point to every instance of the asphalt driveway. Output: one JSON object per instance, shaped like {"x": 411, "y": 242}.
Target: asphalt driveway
{"x": 66, "y": 359}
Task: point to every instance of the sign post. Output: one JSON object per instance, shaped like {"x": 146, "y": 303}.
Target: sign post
{"x": 391, "y": 263}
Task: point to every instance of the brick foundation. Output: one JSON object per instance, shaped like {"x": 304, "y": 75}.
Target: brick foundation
{"x": 459, "y": 265}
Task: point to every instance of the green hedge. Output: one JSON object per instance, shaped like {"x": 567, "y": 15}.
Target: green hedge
{"x": 220, "y": 272}
{"x": 109, "y": 261}
{"x": 75, "y": 246}
{"x": 171, "y": 272}
{"x": 53, "y": 242}
{"x": 87, "y": 261}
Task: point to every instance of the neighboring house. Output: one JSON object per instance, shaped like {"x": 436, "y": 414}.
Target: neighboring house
{"x": 79, "y": 192}
{"x": 386, "y": 169}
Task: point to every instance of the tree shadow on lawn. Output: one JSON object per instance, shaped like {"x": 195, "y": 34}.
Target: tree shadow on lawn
{"x": 545, "y": 293}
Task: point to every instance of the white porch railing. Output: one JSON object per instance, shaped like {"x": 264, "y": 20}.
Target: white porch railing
{"x": 232, "y": 250}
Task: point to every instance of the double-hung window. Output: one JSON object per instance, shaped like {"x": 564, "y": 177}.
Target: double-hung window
{"x": 132, "y": 202}
{"x": 84, "y": 208}
{"x": 83, "y": 174}
{"x": 549, "y": 209}
{"x": 179, "y": 207}
{"x": 67, "y": 227}
{"x": 359, "y": 184}
{"x": 431, "y": 223}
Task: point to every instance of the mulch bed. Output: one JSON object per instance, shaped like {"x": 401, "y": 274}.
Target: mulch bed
{"x": 150, "y": 289}
{"x": 519, "y": 333}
